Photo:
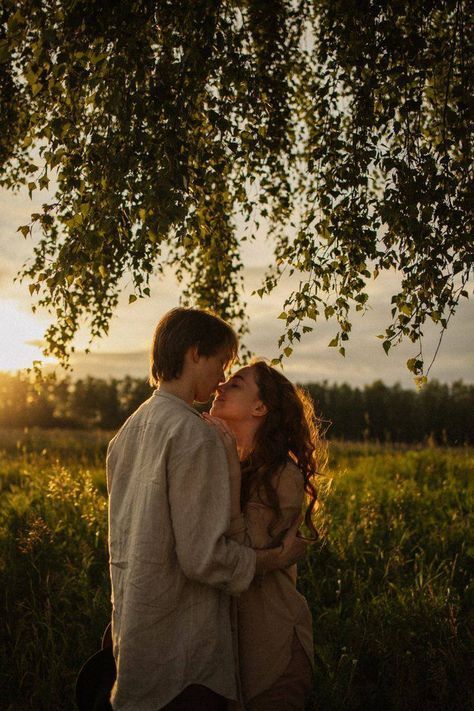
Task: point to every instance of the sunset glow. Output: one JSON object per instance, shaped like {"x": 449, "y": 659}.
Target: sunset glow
{"x": 21, "y": 337}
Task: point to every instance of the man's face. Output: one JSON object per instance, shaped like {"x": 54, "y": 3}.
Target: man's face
{"x": 210, "y": 374}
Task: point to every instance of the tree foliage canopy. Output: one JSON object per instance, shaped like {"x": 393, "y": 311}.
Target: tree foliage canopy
{"x": 345, "y": 124}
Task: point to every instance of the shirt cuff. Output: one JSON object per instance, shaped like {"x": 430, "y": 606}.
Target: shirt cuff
{"x": 244, "y": 572}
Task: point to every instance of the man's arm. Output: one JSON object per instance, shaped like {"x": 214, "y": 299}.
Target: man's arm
{"x": 199, "y": 499}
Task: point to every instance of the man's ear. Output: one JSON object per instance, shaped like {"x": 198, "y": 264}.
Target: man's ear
{"x": 260, "y": 409}
{"x": 194, "y": 353}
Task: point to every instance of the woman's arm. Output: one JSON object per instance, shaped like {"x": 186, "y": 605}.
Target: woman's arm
{"x": 264, "y": 529}
{"x": 285, "y": 546}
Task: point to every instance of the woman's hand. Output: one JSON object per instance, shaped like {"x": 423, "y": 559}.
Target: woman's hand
{"x": 294, "y": 545}
{"x": 293, "y": 548}
{"x": 227, "y": 437}
{"x": 225, "y": 433}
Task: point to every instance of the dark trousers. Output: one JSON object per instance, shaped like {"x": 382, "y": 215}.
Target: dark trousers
{"x": 197, "y": 698}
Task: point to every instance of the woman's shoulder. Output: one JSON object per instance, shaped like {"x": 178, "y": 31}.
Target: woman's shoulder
{"x": 289, "y": 480}
{"x": 290, "y": 471}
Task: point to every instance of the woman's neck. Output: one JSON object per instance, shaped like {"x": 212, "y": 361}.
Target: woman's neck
{"x": 244, "y": 433}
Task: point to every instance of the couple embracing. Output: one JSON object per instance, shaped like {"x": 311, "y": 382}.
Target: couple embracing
{"x": 203, "y": 531}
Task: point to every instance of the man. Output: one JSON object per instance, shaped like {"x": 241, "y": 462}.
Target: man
{"x": 172, "y": 565}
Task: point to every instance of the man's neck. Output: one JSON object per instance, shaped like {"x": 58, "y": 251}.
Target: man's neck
{"x": 180, "y": 387}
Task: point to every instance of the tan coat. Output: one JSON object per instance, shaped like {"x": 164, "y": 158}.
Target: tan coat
{"x": 271, "y": 610}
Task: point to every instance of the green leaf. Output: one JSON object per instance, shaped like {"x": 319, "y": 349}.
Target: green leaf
{"x": 15, "y": 21}
{"x": 334, "y": 343}
{"x": 132, "y": 298}
{"x": 288, "y": 351}
{"x": 97, "y": 58}
{"x": 411, "y": 364}
{"x": 4, "y": 51}
{"x": 420, "y": 381}
{"x": 386, "y": 346}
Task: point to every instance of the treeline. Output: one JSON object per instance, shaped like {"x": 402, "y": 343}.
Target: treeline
{"x": 440, "y": 412}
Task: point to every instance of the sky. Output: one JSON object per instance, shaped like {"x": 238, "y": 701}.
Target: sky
{"x": 125, "y": 350}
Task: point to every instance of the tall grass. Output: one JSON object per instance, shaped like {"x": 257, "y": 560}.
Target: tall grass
{"x": 390, "y": 587}
{"x": 54, "y": 586}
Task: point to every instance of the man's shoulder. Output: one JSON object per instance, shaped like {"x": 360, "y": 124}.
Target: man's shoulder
{"x": 164, "y": 418}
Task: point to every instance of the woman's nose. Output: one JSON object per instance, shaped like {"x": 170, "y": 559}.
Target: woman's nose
{"x": 222, "y": 385}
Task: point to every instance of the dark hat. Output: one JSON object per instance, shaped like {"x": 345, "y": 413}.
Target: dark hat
{"x": 95, "y": 681}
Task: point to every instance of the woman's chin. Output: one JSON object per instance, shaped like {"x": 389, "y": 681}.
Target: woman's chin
{"x": 216, "y": 408}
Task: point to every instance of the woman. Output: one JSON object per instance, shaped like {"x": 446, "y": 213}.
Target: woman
{"x": 269, "y": 430}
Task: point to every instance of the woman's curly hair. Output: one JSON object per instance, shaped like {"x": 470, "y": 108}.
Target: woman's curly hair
{"x": 290, "y": 430}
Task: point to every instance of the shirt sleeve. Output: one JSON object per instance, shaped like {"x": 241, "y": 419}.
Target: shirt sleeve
{"x": 199, "y": 497}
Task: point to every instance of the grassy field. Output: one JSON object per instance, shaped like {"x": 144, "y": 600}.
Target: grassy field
{"x": 390, "y": 586}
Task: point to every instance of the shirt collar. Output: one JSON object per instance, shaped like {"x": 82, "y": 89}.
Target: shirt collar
{"x": 177, "y": 400}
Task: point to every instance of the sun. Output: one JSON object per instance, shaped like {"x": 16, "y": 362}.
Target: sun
{"x": 21, "y": 337}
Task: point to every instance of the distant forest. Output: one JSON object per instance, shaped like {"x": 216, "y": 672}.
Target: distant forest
{"x": 439, "y": 412}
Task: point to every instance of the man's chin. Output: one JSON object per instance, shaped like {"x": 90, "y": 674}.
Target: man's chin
{"x": 203, "y": 398}
{"x": 201, "y": 401}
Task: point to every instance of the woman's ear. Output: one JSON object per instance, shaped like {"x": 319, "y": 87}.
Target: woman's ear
{"x": 260, "y": 409}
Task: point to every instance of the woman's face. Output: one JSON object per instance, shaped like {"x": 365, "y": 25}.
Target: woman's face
{"x": 238, "y": 398}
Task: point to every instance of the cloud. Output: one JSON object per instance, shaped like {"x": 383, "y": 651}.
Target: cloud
{"x": 109, "y": 365}
{"x": 36, "y": 342}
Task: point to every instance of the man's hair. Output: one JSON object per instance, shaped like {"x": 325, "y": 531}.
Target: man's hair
{"x": 179, "y": 330}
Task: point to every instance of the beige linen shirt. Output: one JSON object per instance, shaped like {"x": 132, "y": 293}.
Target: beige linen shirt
{"x": 272, "y": 610}
{"x": 172, "y": 568}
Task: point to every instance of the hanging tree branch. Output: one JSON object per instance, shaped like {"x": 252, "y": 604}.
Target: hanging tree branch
{"x": 155, "y": 117}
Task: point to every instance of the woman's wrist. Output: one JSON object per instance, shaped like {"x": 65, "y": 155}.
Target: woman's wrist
{"x": 268, "y": 559}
